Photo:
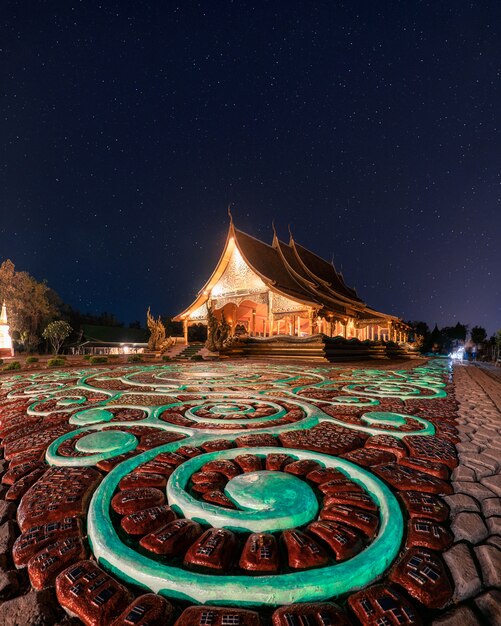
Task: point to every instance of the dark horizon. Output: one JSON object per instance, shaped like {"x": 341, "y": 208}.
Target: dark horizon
{"x": 371, "y": 129}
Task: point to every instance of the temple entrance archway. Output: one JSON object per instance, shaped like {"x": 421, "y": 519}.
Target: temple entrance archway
{"x": 246, "y": 318}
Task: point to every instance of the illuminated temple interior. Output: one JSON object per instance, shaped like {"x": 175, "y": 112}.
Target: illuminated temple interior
{"x": 285, "y": 289}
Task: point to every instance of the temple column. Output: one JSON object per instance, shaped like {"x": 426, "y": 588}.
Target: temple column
{"x": 185, "y": 331}
{"x": 372, "y": 332}
{"x": 270, "y": 324}
{"x": 298, "y": 325}
{"x": 278, "y": 326}
{"x": 311, "y": 322}
{"x": 253, "y": 323}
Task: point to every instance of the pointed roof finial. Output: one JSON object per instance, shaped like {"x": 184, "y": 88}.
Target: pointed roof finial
{"x": 229, "y": 213}
{"x": 291, "y": 238}
{"x": 275, "y": 236}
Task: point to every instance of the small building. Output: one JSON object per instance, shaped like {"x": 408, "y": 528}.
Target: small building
{"x": 111, "y": 340}
{"x": 6, "y": 347}
{"x": 285, "y": 289}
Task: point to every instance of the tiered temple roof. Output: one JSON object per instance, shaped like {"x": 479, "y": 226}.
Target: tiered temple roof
{"x": 293, "y": 271}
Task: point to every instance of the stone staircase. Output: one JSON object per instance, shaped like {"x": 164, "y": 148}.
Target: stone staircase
{"x": 188, "y": 352}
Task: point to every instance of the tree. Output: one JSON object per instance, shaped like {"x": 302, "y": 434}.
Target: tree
{"x": 497, "y": 342}
{"x": 30, "y": 304}
{"x": 56, "y": 332}
{"x": 478, "y": 334}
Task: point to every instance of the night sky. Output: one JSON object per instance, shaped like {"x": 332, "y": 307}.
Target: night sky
{"x": 373, "y": 128}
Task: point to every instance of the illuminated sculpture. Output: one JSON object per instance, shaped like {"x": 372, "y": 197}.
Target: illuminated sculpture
{"x": 158, "y": 341}
{"x": 6, "y": 348}
{"x": 285, "y": 289}
{"x": 218, "y": 331}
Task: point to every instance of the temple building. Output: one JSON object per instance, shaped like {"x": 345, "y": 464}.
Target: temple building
{"x": 285, "y": 289}
{"x": 6, "y": 348}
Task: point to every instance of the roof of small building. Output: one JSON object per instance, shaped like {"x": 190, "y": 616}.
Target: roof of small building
{"x": 114, "y": 334}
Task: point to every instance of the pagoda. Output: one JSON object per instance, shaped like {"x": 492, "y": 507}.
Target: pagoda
{"x": 6, "y": 348}
{"x": 284, "y": 289}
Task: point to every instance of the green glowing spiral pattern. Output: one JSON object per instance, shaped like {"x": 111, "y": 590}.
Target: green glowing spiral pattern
{"x": 266, "y": 501}
{"x": 247, "y": 399}
{"x": 304, "y": 586}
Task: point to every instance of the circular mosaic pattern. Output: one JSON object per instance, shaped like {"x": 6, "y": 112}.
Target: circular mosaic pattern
{"x": 227, "y": 484}
{"x": 261, "y": 502}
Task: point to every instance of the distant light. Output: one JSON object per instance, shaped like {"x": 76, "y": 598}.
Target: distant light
{"x": 457, "y": 355}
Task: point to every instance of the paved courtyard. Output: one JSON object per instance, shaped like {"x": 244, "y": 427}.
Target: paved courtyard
{"x": 239, "y": 493}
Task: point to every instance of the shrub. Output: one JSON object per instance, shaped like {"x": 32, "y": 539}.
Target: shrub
{"x": 197, "y": 357}
{"x": 166, "y": 358}
{"x": 13, "y": 365}
{"x": 56, "y": 362}
{"x": 97, "y": 360}
{"x": 32, "y": 359}
{"x": 113, "y": 356}
{"x": 1, "y": 361}
{"x": 134, "y": 358}
{"x": 87, "y": 357}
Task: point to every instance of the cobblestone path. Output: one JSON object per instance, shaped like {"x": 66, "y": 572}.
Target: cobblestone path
{"x": 475, "y": 558}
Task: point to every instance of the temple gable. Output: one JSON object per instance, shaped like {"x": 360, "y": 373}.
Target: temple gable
{"x": 237, "y": 279}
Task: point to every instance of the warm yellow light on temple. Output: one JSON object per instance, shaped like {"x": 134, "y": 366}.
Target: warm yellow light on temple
{"x": 265, "y": 290}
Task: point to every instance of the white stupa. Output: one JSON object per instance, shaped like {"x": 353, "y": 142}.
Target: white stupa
{"x": 6, "y": 348}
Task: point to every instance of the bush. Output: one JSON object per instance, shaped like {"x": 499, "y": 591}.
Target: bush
{"x": 13, "y": 365}
{"x": 113, "y": 356}
{"x": 1, "y": 361}
{"x": 32, "y": 359}
{"x": 134, "y": 358}
{"x": 56, "y": 362}
{"x": 166, "y": 358}
{"x": 97, "y": 360}
{"x": 197, "y": 357}
{"x": 87, "y": 357}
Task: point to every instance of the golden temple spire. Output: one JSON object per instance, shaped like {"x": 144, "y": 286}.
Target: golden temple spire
{"x": 3, "y": 314}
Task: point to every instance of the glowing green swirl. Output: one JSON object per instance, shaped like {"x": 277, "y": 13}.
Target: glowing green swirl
{"x": 268, "y": 501}
{"x": 305, "y": 586}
